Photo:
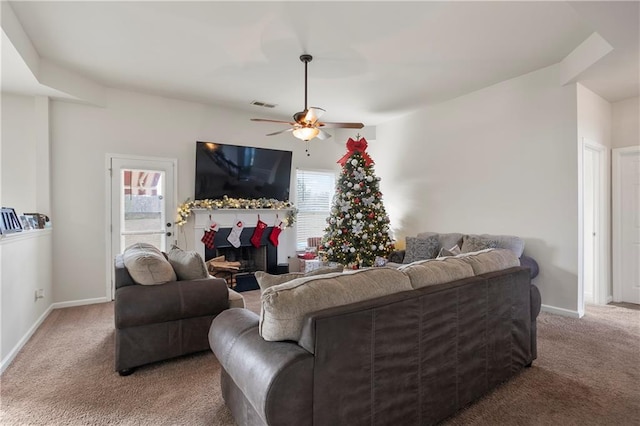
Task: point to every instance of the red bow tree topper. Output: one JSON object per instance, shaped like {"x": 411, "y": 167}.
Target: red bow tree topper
{"x": 356, "y": 146}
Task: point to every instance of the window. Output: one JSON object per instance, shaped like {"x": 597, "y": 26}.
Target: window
{"x": 314, "y": 194}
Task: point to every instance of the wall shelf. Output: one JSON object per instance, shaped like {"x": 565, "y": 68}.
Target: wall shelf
{"x": 6, "y": 239}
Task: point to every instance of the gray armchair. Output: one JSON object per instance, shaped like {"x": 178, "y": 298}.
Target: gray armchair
{"x": 158, "y": 322}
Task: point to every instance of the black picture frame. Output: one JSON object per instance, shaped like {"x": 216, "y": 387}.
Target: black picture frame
{"x": 9, "y": 221}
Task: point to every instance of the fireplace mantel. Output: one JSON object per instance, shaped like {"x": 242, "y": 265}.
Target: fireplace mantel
{"x": 226, "y": 218}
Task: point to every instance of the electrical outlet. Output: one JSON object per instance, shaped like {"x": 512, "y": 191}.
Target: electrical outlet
{"x": 39, "y": 293}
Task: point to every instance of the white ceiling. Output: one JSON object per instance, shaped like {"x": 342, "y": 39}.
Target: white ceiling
{"x": 372, "y": 60}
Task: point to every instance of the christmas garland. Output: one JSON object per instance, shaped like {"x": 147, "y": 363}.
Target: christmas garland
{"x": 185, "y": 209}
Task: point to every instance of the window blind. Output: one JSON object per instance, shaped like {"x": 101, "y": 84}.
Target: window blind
{"x": 314, "y": 195}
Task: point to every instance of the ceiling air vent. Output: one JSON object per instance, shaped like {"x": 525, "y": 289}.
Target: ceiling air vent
{"x": 263, "y": 104}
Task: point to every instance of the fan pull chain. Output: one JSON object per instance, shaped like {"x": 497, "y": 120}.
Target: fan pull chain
{"x": 307, "y": 149}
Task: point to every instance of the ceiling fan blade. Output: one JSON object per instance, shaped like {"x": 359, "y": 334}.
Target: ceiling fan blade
{"x": 272, "y": 121}
{"x": 281, "y": 131}
{"x": 323, "y": 135}
{"x": 341, "y": 125}
{"x": 313, "y": 114}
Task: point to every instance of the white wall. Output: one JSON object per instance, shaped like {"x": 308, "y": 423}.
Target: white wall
{"x": 137, "y": 124}
{"x": 18, "y": 153}
{"x": 502, "y": 160}
{"x": 25, "y": 259}
{"x": 626, "y": 123}
{"x": 594, "y": 116}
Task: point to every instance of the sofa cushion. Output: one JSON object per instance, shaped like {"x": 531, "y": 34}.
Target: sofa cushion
{"x": 490, "y": 260}
{"x": 147, "y": 265}
{"x": 188, "y": 265}
{"x": 437, "y": 271}
{"x": 421, "y": 249}
{"x": 284, "y": 306}
{"x": 453, "y": 251}
{"x": 446, "y": 240}
{"x": 509, "y": 242}
{"x": 266, "y": 280}
{"x": 471, "y": 243}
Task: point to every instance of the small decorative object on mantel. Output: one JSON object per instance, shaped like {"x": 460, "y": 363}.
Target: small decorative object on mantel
{"x": 186, "y": 208}
{"x": 9, "y": 222}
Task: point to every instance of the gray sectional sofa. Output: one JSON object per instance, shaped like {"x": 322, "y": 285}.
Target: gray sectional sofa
{"x": 383, "y": 346}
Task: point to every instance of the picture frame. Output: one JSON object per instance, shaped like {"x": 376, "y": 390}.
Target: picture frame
{"x": 9, "y": 221}
{"x": 26, "y": 225}
{"x": 38, "y": 220}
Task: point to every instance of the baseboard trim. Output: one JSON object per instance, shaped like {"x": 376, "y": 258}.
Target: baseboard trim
{"x": 560, "y": 311}
{"x": 82, "y": 302}
{"x": 11, "y": 355}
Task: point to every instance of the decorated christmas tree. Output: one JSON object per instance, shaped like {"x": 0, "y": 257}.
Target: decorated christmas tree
{"x": 358, "y": 227}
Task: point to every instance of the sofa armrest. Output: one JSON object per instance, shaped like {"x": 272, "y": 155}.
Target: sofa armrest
{"x": 271, "y": 375}
{"x": 529, "y": 262}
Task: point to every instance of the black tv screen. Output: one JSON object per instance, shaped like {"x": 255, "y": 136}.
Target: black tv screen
{"x": 241, "y": 172}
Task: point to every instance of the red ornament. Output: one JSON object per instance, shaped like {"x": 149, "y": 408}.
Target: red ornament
{"x": 371, "y": 215}
{"x": 356, "y": 200}
{"x": 344, "y": 231}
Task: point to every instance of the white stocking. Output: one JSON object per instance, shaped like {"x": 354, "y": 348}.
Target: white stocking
{"x": 234, "y": 236}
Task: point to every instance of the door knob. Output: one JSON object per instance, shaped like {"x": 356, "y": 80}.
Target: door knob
{"x": 168, "y": 234}
{"x": 168, "y": 224}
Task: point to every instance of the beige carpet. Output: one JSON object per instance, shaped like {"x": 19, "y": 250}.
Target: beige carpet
{"x": 587, "y": 373}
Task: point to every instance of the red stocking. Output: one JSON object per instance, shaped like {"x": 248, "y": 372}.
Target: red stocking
{"x": 257, "y": 233}
{"x": 209, "y": 236}
{"x": 275, "y": 233}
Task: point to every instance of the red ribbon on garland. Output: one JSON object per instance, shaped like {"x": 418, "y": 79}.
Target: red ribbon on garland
{"x": 356, "y": 146}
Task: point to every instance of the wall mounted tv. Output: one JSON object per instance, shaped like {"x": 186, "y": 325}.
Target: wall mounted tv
{"x": 241, "y": 172}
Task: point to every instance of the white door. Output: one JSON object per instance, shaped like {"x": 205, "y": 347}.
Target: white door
{"x": 626, "y": 225}
{"x": 142, "y": 203}
{"x": 594, "y": 224}
{"x": 591, "y": 212}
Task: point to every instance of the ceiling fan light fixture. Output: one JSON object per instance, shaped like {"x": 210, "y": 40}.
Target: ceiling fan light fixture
{"x": 306, "y": 133}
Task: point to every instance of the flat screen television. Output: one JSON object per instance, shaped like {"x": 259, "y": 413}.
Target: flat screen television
{"x": 241, "y": 172}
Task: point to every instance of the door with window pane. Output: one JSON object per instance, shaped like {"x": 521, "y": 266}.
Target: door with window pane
{"x": 314, "y": 195}
{"x": 142, "y": 203}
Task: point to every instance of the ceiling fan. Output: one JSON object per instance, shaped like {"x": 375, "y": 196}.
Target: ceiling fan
{"x": 305, "y": 124}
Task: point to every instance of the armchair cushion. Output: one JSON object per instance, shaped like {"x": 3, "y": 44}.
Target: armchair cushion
{"x": 188, "y": 265}
{"x": 147, "y": 265}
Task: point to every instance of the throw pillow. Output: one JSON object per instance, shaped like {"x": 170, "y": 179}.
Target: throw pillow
{"x": 188, "y": 265}
{"x": 445, "y": 253}
{"x": 266, "y": 280}
{"x": 147, "y": 265}
{"x": 473, "y": 243}
{"x": 421, "y": 249}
